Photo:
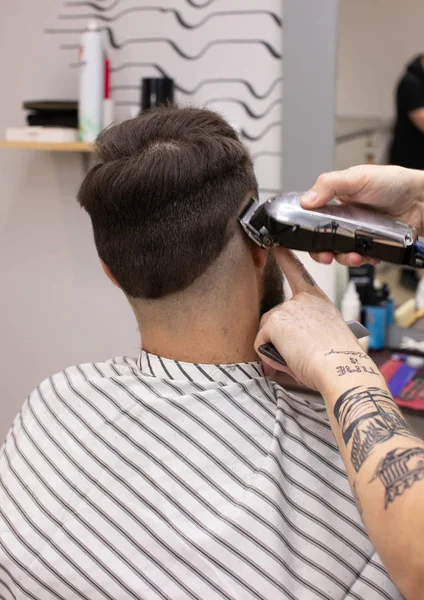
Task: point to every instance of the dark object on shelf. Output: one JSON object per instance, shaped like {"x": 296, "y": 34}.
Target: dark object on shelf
{"x": 156, "y": 91}
{"x": 52, "y": 113}
{"x": 53, "y": 119}
{"x": 51, "y": 105}
{"x": 409, "y": 279}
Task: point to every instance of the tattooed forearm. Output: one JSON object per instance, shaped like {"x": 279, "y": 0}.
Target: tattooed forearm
{"x": 399, "y": 470}
{"x": 354, "y": 365}
{"x": 355, "y": 353}
{"x": 368, "y": 417}
{"x": 355, "y": 368}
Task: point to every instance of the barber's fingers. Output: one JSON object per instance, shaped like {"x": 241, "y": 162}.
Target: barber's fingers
{"x": 352, "y": 259}
{"x": 346, "y": 183}
{"x": 267, "y": 315}
{"x": 268, "y": 333}
{"x": 324, "y": 258}
{"x": 298, "y": 277}
{"x": 348, "y": 260}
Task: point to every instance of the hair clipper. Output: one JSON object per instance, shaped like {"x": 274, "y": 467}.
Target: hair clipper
{"x": 336, "y": 228}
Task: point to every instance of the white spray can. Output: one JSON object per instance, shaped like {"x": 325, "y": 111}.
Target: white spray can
{"x": 351, "y": 303}
{"x": 92, "y": 77}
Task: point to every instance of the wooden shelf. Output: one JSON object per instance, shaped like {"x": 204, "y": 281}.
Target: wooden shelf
{"x": 50, "y": 146}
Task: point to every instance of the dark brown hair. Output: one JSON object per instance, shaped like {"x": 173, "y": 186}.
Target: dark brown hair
{"x": 164, "y": 197}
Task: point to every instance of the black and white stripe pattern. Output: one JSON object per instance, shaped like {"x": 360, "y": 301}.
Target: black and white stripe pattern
{"x": 157, "y": 479}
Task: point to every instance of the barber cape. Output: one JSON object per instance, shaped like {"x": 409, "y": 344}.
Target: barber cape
{"x": 154, "y": 479}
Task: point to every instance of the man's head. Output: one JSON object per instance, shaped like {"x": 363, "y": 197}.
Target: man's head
{"x": 164, "y": 199}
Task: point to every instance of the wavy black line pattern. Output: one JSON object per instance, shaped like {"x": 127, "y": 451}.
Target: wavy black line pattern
{"x": 204, "y": 5}
{"x": 176, "y": 14}
{"x": 248, "y": 110}
{"x": 257, "y": 138}
{"x": 274, "y": 53}
{"x": 186, "y": 91}
{"x": 115, "y": 4}
{"x": 246, "y": 107}
{"x": 94, "y": 5}
{"x": 196, "y": 89}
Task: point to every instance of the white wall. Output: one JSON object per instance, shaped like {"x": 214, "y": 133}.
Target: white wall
{"x": 376, "y": 39}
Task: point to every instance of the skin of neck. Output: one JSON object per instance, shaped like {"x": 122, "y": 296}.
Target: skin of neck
{"x": 216, "y": 319}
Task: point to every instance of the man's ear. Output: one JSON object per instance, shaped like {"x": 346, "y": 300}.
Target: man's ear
{"x": 109, "y": 273}
{"x": 259, "y": 255}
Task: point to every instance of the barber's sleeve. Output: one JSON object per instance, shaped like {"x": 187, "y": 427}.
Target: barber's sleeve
{"x": 411, "y": 94}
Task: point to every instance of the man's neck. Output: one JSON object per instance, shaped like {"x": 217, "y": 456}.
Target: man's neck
{"x": 214, "y": 321}
{"x": 202, "y": 339}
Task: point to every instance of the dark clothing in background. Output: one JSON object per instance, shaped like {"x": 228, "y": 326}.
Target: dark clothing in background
{"x": 407, "y": 149}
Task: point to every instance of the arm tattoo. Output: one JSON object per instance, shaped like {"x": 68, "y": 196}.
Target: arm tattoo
{"x": 355, "y": 367}
{"x": 367, "y": 417}
{"x": 355, "y": 353}
{"x": 399, "y": 470}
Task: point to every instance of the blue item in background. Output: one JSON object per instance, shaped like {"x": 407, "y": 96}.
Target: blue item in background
{"x": 390, "y": 308}
{"x": 376, "y": 323}
{"x": 403, "y": 376}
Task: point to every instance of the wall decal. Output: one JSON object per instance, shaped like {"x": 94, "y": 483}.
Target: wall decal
{"x": 197, "y": 5}
{"x": 96, "y": 6}
{"x": 199, "y": 86}
{"x": 119, "y": 45}
{"x": 178, "y": 16}
{"x": 256, "y": 138}
{"x": 223, "y": 55}
{"x": 247, "y": 108}
{"x": 102, "y": 7}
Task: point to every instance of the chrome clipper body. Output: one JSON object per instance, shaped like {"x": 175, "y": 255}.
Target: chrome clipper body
{"x": 336, "y": 228}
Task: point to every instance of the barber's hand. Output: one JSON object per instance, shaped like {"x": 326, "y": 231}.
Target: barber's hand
{"x": 395, "y": 191}
{"x": 304, "y": 329}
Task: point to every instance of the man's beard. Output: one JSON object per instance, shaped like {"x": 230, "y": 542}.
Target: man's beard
{"x": 273, "y": 288}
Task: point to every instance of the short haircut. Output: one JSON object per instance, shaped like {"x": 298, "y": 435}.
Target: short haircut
{"x": 164, "y": 197}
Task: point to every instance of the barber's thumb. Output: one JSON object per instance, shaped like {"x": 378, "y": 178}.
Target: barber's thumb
{"x": 317, "y": 196}
{"x": 309, "y": 199}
